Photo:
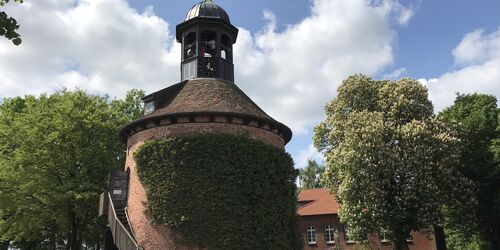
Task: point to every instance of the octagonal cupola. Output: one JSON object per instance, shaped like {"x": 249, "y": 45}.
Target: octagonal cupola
{"x": 207, "y": 37}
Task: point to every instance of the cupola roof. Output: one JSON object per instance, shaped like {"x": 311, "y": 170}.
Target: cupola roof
{"x": 208, "y": 9}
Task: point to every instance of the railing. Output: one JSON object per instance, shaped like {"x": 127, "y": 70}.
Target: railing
{"x": 121, "y": 236}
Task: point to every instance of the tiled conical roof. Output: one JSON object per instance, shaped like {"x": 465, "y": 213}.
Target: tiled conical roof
{"x": 206, "y": 96}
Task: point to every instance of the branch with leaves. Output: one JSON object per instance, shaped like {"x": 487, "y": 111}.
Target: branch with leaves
{"x": 9, "y": 25}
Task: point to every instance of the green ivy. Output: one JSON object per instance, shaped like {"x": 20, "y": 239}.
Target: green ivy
{"x": 221, "y": 191}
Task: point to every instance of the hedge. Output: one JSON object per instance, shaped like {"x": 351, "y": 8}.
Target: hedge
{"x": 221, "y": 191}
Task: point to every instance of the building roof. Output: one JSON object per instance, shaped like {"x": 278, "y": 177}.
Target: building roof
{"x": 208, "y": 9}
{"x": 206, "y": 96}
{"x": 317, "y": 202}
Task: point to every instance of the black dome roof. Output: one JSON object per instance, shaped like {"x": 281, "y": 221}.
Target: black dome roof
{"x": 208, "y": 9}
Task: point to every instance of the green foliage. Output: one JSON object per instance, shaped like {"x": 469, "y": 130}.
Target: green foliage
{"x": 55, "y": 153}
{"x": 477, "y": 117}
{"x": 390, "y": 163}
{"x": 221, "y": 191}
{"x": 131, "y": 106}
{"x": 311, "y": 175}
{"x": 8, "y": 25}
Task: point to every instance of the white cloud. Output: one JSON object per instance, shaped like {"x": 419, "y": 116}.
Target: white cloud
{"x": 477, "y": 48}
{"x": 107, "y": 47}
{"x": 310, "y": 153}
{"x": 405, "y": 15}
{"x": 292, "y": 74}
{"x": 395, "y": 74}
{"x": 479, "y": 56}
{"x": 103, "y": 46}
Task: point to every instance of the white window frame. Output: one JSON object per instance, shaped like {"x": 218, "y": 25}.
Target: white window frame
{"x": 311, "y": 235}
{"x": 383, "y": 236}
{"x": 329, "y": 234}
{"x": 149, "y": 109}
{"x": 347, "y": 236}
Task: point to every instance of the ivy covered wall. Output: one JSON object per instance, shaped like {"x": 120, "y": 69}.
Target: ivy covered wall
{"x": 221, "y": 191}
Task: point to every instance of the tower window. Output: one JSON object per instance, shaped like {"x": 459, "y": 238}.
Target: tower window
{"x": 311, "y": 235}
{"x": 225, "y": 52}
{"x": 208, "y": 46}
{"x": 190, "y": 45}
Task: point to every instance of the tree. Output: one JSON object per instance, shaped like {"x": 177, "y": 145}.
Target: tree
{"x": 392, "y": 166}
{"x": 55, "y": 153}
{"x": 311, "y": 175}
{"x": 8, "y": 25}
{"x": 477, "y": 117}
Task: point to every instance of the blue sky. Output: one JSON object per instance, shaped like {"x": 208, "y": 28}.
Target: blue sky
{"x": 290, "y": 57}
{"x": 423, "y": 46}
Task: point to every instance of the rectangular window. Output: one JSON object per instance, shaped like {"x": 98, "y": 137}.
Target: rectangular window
{"x": 311, "y": 235}
{"x": 149, "y": 107}
{"x": 384, "y": 235}
{"x": 347, "y": 235}
{"x": 329, "y": 234}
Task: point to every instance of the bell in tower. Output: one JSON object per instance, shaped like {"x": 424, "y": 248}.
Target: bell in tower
{"x": 207, "y": 37}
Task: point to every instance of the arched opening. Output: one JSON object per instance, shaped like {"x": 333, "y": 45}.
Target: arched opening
{"x": 208, "y": 46}
{"x": 225, "y": 52}
{"x": 190, "y": 45}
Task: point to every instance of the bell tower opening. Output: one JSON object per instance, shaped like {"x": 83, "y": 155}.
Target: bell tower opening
{"x": 207, "y": 38}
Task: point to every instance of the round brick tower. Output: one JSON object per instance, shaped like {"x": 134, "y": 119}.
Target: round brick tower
{"x": 205, "y": 101}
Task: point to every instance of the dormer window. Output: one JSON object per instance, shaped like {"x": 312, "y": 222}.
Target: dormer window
{"x": 149, "y": 107}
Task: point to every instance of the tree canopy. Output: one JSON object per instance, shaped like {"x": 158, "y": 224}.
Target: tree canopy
{"x": 476, "y": 116}
{"x": 8, "y": 25}
{"x": 55, "y": 153}
{"x": 391, "y": 164}
{"x": 311, "y": 175}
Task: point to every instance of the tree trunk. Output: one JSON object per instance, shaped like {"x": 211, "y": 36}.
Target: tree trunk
{"x": 440, "y": 237}
{"x": 401, "y": 244}
{"x": 495, "y": 235}
{"x": 73, "y": 237}
{"x": 4, "y": 245}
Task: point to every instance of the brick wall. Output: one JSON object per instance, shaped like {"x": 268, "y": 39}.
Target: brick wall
{"x": 421, "y": 241}
{"x": 156, "y": 237}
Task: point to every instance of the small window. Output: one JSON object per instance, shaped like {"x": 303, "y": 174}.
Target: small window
{"x": 149, "y": 107}
{"x": 225, "y": 52}
{"x": 347, "y": 235}
{"x": 329, "y": 234}
{"x": 384, "y": 235}
{"x": 190, "y": 45}
{"x": 311, "y": 235}
{"x": 410, "y": 239}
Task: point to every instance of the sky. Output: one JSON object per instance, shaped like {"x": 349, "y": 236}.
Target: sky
{"x": 290, "y": 56}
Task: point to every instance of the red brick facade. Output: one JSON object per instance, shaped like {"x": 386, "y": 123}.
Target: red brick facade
{"x": 156, "y": 237}
{"x": 421, "y": 241}
{"x": 318, "y": 209}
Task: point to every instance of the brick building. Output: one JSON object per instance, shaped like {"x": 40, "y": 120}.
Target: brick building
{"x": 205, "y": 101}
{"x": 321, "y": 228}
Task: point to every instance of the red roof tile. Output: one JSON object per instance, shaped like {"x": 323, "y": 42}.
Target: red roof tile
{"x": 317, "y": 202}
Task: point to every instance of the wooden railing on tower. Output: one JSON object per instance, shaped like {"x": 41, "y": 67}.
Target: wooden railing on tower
{"x": 122, "y": 236}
